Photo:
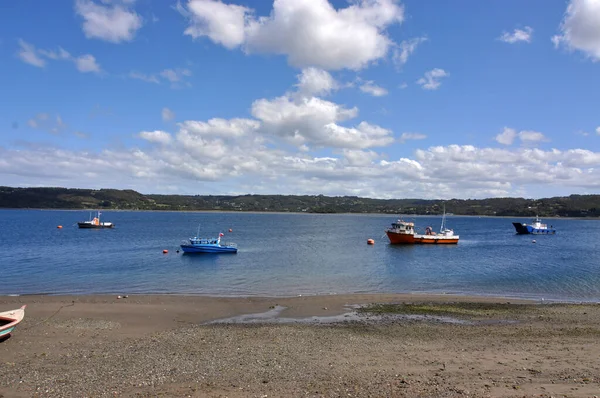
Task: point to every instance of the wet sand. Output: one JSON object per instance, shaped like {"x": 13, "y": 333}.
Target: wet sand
{"x": 168, "y": 345}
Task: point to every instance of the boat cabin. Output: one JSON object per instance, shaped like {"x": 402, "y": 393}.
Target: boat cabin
{"x": 403, "y": 227}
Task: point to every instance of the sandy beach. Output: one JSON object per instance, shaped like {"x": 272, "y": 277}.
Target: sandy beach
{"x": 409, "y": 345}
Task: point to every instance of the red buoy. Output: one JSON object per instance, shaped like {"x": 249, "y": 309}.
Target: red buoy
{"x": 59, "y": 227}
{"x": 165, "y": 251}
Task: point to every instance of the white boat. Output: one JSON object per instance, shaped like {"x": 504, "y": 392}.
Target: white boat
{"x": 95, "y": 223}
{"x": 9, "y": 320}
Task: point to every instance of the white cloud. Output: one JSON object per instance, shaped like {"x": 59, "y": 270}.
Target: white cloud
{"x": 250, "y": 166}
{"x": 167, "y": 114}
{"x": 403, "y": 85}
{"x": 158, "y": 136}
{"x": 314, "y": 81}
{"x": 411, "y": 136}
{"x": 405, "y": 49}
{"x": 431, "y": 80}
{"x": 87, "y": 63}
{"x": 221, "y": 128}
{"x": 531, "y": 136}
{"x": 111, "y": 21}
{"x": 176, "y": 77}
{"x": 144, "y": 77}
{"x": 59, "y": 54}
{"x": 42, "y": 121}
{"x": 222, "y": 23}
{"x": 37, "y": 57}
{"x": 371, "y": 88}
{"x": 517, "y": 35}
{"x": 29, "y": 54}
{"x": 598, "y": 130}
{"x": 580, "y": 28}
{"x": 305, "y": 31}
{"x": 508, "y": 136}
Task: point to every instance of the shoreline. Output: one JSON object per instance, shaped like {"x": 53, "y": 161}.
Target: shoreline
{"x": 301, "y": 212}
{"x": 405, "y": 345}
{"x": 403, "y": 296}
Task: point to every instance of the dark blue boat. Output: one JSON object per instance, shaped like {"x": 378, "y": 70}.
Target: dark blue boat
{"x": 535, "y": 228}
{"x": 212, "y": 245}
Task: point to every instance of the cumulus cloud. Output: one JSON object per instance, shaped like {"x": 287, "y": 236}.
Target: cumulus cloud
{"x": 315, "y": 81}
{"x": 251, "y": 166}
{"x": 371, "y": 88}
{"x": 405, "y": 49}
{"x": 580, "y": 28}
{"x": 37, "y": 57}
{"x": 158, "y": 136}
{"x": 508, "y": 136}
{"x": 303, "y": 30}
{"x": 222, "y": 23}
{"x": 431, "y": 80}
{"x": 598, "y": 130}
{"x": 111, "y": 20}
{"x": 517, "y": 35}
{"x": 167, "y": 114}
{"x": 87, "y": 63}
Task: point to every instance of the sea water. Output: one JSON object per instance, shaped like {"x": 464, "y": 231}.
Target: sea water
{"x": 293, "y": 254}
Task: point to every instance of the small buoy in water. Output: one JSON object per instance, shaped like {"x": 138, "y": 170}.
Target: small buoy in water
{"x": 230, "y": 230}
{"x": 370, "y": 242}
{"x": 533, "y": 241}
{"x": 177, "y": 250}
{"x": 165, "y": 251}
{"x": 59, "y": 227}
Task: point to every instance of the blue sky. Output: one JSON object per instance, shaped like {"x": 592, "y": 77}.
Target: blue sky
{"x": 375, "y": 98}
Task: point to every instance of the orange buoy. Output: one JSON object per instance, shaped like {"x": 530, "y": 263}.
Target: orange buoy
{"x": 165, "y": 251}
{"x": 370, "y": 242}
{"x": 59, "y": 227}
{"x": 230, "y": 230}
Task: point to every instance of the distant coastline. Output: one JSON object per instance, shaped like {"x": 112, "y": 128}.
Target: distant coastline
{"x": 573, "y": 206}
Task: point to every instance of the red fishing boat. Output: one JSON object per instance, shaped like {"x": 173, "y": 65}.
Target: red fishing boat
{"x": 403, "y": 232}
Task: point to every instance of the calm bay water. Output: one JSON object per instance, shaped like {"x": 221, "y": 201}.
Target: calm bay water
{"x": 292, "y": 254}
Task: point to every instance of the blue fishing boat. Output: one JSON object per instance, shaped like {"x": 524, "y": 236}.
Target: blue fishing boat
{"x": 212, "y": 245}
{"x": 535, "y": 228}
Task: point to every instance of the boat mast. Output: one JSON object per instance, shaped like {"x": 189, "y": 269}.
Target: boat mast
{"x": 443, "y": 219}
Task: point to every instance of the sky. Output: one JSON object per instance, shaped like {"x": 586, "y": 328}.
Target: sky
{"x": 428, "y": 99}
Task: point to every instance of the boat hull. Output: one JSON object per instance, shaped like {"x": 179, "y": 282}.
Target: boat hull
{"x": 208, "y": 249}
{"x": 523, "y": 229}
{"x": 9, "y": 320}
{"x": 400, "y": 239}
{"x": 85, "y": 225}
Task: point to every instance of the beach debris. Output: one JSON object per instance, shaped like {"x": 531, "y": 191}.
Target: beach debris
{"x": 119, "y": 297}
{"x": 324, "y": 308}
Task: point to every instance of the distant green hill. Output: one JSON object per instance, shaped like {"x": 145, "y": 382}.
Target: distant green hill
{"x": 66, "y": 198}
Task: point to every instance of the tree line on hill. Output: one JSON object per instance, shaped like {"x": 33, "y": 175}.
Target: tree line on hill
{"x": 68, "y": 198}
